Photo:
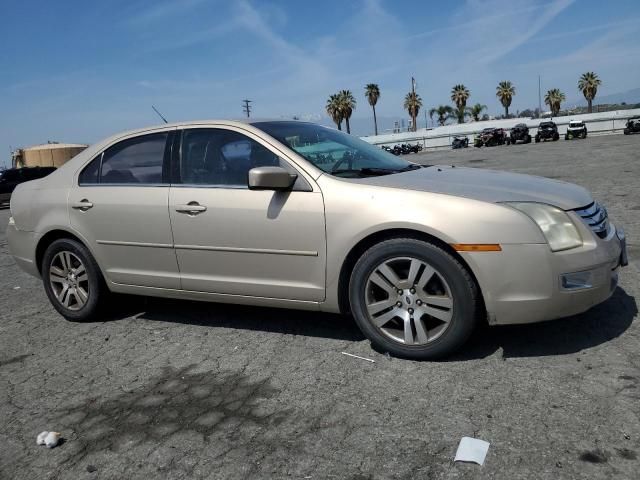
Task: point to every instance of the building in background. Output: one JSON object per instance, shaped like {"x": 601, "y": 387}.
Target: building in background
{"x": 48, "y": 155}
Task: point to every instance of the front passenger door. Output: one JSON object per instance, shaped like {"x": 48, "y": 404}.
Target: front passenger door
{"x": 236, "y": 241}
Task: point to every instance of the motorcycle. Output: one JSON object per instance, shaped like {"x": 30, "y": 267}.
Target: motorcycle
{"x": 459, "y": 142}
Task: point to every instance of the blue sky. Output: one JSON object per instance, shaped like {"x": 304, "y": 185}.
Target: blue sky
{"x": 77, "y": 71}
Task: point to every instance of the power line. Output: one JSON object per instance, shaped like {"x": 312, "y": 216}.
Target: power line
{"x": 246, "y": 108}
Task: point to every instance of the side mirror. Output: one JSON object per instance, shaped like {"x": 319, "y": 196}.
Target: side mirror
{"x": 271, "y": 178}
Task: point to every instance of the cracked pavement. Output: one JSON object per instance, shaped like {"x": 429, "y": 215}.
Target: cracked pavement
{"x": 177, "y": 389}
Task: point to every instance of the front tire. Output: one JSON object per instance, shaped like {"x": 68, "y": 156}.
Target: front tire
{"x": 72, "y": 280}
{"x": 413, "y": 299}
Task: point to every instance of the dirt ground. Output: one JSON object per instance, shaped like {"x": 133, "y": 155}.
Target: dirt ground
{"x": 169, "y": 389}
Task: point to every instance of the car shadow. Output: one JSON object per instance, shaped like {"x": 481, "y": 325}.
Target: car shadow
{"x": 241, "y": 317}
{"x": 599, "y": 325}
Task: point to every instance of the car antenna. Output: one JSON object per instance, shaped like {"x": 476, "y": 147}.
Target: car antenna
{"x": 159, "y": 114}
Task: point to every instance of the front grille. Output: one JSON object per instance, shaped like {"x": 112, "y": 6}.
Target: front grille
{"x": 596, "y": 216}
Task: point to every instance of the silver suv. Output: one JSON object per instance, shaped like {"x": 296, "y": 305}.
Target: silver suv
{"x": 295, "y": 215}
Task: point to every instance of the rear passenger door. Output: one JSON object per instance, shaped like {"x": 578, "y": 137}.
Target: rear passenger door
{"x": 119, "y": 205}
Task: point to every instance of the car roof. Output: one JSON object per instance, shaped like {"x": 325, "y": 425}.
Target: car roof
{"x": 229, "y": 122}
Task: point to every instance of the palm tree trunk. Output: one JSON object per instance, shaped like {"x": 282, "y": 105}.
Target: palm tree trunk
{"x": 589, "y": 108}
{"x": 340, "y": 125}
{"x": 348, "y": 126}
{"x": 506, "y": 112}
{"x": 375, "y": 120}
{"x": 413, "y": 118}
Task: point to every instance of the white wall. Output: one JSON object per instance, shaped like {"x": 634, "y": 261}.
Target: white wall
{"x": 599, "y": 123}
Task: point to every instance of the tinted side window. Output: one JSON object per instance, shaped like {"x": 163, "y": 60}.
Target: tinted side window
{"x": 138, "y": 160}
{"x": 221, "y": 157}
{"x": 89, "y": 175}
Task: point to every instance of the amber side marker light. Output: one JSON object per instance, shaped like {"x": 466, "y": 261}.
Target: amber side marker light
{"x": 476, "y": 247}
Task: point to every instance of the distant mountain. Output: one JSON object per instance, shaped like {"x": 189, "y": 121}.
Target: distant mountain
{"x": 630, "y": 96}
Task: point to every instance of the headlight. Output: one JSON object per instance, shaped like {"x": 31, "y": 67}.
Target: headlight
{"x": 555, "y": 224}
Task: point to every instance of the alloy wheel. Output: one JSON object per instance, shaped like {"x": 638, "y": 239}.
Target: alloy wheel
{"x": 409, "y": 301}
{"x": 69, "y": 280}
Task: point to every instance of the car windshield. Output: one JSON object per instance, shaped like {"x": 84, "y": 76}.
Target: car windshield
{"x": 546, "y": 125}
{"x": 334, "y": 152}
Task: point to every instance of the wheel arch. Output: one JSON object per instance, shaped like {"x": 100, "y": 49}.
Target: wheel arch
{"x": 367, "y": 242}
{"x": 50, "y": 237}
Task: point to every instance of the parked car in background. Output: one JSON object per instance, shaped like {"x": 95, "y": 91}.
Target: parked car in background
{"x": 240, "y": 212}
{"x": 11, "y": 178}
{"x": 576, "y": 129}
{"x": 460, "y": 142}
{"x": 547, "y": 131}
{"x": 490, "y": 137}
{"x": 633, "y": 126}
{"x": 520, "y": 133}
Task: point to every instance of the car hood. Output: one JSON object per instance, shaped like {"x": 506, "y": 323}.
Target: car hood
{"x": 486, "y": 185}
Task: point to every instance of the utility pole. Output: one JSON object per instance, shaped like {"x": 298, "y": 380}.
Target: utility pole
{"x": 539, "y": 99}
{"x": 246, "y": 108}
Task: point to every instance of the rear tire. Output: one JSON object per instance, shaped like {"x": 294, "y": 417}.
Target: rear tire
{"x": 72, "y": 280}
{"x": 537, "y": 139}
{"x": 626, "y": 131}
{"x": 431, "y": 280}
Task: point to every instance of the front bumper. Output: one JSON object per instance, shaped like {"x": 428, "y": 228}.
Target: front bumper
{"x": 528, "y": 283}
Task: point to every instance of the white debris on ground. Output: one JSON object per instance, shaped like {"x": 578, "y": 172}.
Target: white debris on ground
{"x": 356, "y": 356}
{"x": 40, "y": 438}
{"x": 50, "y": 439}
{"x": 472, "y": 450}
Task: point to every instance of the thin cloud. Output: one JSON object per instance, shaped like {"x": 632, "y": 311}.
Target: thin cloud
{"x": 161, "y": 11}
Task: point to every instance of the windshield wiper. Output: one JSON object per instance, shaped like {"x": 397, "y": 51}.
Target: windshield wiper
{"x": 372, "y": 171}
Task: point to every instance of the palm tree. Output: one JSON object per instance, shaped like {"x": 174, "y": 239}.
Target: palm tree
{"x": 334, "y": 110}
{"x": 554, "y": 98}
{"x": 444, "y": 113}
{"x": 588, "y": 85}
{"x": 459, "y": 96}
{"x": 505, "y": 92}
{"x": 412, "y": 104}
{"x": 347, "y": 106}
{"x": 372, "y": 92}
{"x": 475, "y": 111}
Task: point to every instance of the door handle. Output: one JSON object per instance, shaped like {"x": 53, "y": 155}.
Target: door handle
{"x": 192, "y": 208}
{"x": 83, "y": 205}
